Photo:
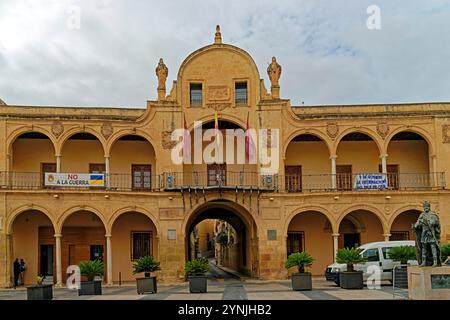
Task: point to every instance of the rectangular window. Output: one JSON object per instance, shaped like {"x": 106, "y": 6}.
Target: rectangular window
{"x": 196, "y": 94}
{"x": 141, "y": 176}
{"x": 96, "y": 252}
{"x": 295, "y": 242}
{"x": 97, "y": 168}
{"x": 372, "y": 255}
{"x": 392, "y": 175}
{"x": 344, "y": 177}
{"x": 399, "y": 235}
{"x": 141, "y": 244}
{"x": 240, "y": 92}
{"x": 293, "y": 178}
{"x": 217, "y": 174}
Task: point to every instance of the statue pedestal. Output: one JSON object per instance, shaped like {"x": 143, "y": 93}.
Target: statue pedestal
{"x": 429, "y": 283}
{"x": 275, "y": 91}
{"x": 161, "y": 94}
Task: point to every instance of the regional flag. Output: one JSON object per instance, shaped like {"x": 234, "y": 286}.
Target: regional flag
{"x": 216, "y": 128}
{"x": 186, "y": 144}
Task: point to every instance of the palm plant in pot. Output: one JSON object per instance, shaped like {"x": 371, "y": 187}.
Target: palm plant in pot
{"x": 146, "y": 264}
{"x": 445, "y": 253}
{"x": 350, "y": 279}
{"x": 91, "y": 269}
{"x": 40, "y": 291}
{"x": 196, "y": 273}
{"x": 301, "y": 280}
{"x": 401, "y": 254}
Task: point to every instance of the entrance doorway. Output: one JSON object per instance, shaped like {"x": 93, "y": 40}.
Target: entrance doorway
{"x": 352, "y": 240}
{"x": 46, "y": 256}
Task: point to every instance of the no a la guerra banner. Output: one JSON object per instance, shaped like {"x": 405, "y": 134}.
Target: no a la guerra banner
{"x": 74, "y": 179}
{"x": 371, "y": 181}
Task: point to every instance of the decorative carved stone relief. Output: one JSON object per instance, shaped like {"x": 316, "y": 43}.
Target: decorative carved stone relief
{"x": 383, "y": 129}
{"x": 219, "y": 106}
{"x": 332, "y": 129}
{"x": 57, "y": 128}
{"x": 218, "y": 93}
{"x": 446, "y": 133}
{"x": 107, "y": 130}
{"x": 166, "y": 140}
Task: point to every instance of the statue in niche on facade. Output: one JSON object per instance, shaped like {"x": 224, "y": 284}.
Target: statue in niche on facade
{"x": 274, "y": 72}
{"x": 428, "y": 234}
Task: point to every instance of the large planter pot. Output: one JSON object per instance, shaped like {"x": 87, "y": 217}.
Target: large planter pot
{"x": 40, "y": 292}
{"x": 351, "y": 280}
{"x": 301, "y": 281}
{"x": 90, "y": 288}
{"x": 400, "y": 277}
{"x": 197, "y": 284}
{"x": 146, "y": 285}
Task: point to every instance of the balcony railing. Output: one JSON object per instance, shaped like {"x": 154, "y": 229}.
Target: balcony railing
{"x": 216, "y": 179}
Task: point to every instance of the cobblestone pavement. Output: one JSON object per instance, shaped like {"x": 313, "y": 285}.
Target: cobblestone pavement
{"x": 230, "y": 288}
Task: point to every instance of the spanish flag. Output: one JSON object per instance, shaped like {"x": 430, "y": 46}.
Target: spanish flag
{"x": 216, "y": 128}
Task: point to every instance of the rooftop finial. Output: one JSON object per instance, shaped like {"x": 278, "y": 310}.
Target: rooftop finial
{"x": 218, "y": 37}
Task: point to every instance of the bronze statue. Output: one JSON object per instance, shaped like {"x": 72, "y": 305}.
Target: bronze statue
{"x": 428, "y": 234}
{"x": 161, "y": 73}
{"x": 274, "y": 72}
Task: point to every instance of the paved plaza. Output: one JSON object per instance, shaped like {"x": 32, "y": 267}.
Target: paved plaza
{"x": 221, "y": 289}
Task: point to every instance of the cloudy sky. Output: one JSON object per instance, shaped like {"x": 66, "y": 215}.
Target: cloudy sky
{"x": 328, "y": 54}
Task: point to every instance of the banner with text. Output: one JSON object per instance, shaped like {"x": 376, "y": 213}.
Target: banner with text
{"x": 74, "y": 179}
{"x": 371, "y": 181}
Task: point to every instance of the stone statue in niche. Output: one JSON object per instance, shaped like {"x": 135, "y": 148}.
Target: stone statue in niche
{"x": 428, "y": 234}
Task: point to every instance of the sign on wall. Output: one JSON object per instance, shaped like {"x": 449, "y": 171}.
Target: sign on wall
{"x": 371, "y": 181}
{"x": 74, "y": 179}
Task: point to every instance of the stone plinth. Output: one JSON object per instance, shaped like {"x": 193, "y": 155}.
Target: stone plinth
{"x": 429, "y": 283}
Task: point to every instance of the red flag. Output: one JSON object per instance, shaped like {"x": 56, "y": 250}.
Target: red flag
{"x": 248, "y": 141}
{"x": 186, "y": 143}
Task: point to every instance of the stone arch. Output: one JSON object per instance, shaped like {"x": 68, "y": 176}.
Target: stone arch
{"x": 320, "y": 209}
{"x": 370, "y": 133}
{"x": 225, "y": 117}
{"x": 72, "y": 131}
{"x": 401, "y": 210}
{"x": 309, "y": 131}
{"x": 414, "y": 129}
{"x": 12, "y": 137}
{"x": 16, "y": 212}
{"x": 128, "y": 209}
{"x": 366, "y": 207}
{"x": 67, "y": 213}
{"x": 125, "y": 132}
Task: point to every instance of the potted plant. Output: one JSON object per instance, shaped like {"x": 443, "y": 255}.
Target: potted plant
{"x": 146, "y": 264}
{"x": 301, "y": 280}
{"x": 91, "y": 269}
{"x": 401, "y": 254}
{"x": 445, "y": 252}
{"x": 350, "y": 279}
{"x": 196, "y": 272}
{"x": 40, "y": 291}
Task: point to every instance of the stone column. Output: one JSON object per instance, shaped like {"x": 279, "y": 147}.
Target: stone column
{"x": 335, "y": 245}
{"x": 383, "y": 158}
{"x": 333, "y": 172}
{"x": 386, "y": 236}
{"x": 58, "y": 163}
{"x": 58, "y": 237}
{"x": 8, "y": 260}
{"x": 109, "y": 273}
{"x": 107, "y": 171}
{"x": 434, "y": 175}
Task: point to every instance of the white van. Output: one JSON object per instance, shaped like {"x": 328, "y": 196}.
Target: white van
{"x": 376, "y": 254}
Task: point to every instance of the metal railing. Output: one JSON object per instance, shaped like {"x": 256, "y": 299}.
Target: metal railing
{"x": 171, "y": 181}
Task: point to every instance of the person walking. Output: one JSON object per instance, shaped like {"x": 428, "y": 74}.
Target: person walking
{"x": 23, "y": 267}
{"x": 16, "y": 271}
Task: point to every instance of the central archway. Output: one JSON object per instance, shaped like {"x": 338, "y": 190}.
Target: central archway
{"x": 242, "y": 249}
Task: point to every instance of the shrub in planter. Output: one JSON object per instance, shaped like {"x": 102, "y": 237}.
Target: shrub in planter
{"x": 40, "y": 291}
{"x": 401, "y": 254}
{"x": 146, "y": 264}
{"x": 301, "y": 280}
{"x": 445, "y": 252}
{"x": 196, "y": 273}
{"x": 350, "y": 279}
{"x": 91, "y": 269}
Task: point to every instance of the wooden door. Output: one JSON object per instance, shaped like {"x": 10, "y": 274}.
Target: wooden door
{"x": 293, "y": 180}
{"x": 392, "y": 175}
{"x": 344, "y": 177}
{"x": 141, "y": 176}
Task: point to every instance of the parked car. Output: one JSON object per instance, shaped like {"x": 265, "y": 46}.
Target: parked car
{"x": 376, "y": 254}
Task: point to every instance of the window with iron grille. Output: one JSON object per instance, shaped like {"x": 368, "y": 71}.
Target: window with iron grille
{"x": 196, "y": 95}
{"x": 141, "y": 244}
{"x": 399, "y": 235}
{"x": 295, "y": 242}
{"x": 240, "y": 91}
